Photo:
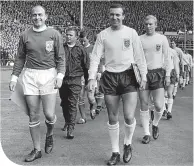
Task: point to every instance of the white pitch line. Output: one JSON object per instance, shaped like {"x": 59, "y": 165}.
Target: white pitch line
{"x": 4, "y": 98}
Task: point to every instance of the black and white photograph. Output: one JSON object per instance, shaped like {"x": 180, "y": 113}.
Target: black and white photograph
{"x": 88, "y": 82}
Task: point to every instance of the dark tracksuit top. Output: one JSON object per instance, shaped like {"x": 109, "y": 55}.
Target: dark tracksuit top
{"x": 77, "y": 63}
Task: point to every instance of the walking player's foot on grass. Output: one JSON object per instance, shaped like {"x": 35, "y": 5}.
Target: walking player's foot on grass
{"x": 146, "y": 139}
{"x": 115, "y": 158}
{"x": 33, "y": 155}
{"x": 127, "y": 153}
{"x": 155, "y": 132}
{"x": 49, "y": 144}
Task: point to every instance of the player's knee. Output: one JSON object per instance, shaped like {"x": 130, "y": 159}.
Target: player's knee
{"x": 49, "y": 116}
{"x": 34, "y": 119}
{"x": 113, "y": 120}
{"x": 158, "y": 105}
{"x": 129, "y": 119}
{"x": 51, "y": 120}
{"x": 144, "y": 105}
{"x": 33, "y": 116}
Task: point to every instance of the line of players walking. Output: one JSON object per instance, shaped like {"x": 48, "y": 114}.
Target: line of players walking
{"x": 183, "y": 66}
{"x": 181, "y": 75}
{"x": 51, "y": 65}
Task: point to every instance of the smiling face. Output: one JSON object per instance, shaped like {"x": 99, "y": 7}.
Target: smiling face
{"x": 38, "y": 16}
{"x": 150, "y": 26}
{"x": 116, "y": 17}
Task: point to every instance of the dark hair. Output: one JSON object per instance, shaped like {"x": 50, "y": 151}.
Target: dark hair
{"x": 72, "y": 29}
{"x": 173, "y": 40}
{"x": 184, "y": 50}
{"x": 82, "y": 34}
{"x": 118, "y": 5}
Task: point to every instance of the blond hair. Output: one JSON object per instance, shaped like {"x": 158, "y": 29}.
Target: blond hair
{"x": 151, "y": 17}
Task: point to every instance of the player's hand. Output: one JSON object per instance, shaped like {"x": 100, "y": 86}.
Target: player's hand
{"x": 167, "y": 81}
{"x": 58, "y": 83}
{"x": 91, "y": 84}
{"x": 142, "y": 85}
{"x": 12, "y": 85}
{"x": 98, "y": 76}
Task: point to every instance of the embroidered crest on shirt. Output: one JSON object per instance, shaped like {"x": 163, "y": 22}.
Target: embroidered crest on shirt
{"x": 49, "y": 45}
{"x": 158, "y": 46}
{"x": 126, "y": 43}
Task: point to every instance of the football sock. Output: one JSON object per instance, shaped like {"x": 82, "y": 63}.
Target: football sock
{"x": 170, "y": 103}
{"x": 144, "y": 117}
{"x": 157, "y": 117}
{"x": 129, "y": 130}
{"x": 114, "y": 136}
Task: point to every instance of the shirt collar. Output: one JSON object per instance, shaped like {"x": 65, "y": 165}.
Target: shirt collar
{"x": 40, "y": 29}
{"x": 76, "y": 44}
{"x": 88, "y": 45}
{"x": 71, "y": 45}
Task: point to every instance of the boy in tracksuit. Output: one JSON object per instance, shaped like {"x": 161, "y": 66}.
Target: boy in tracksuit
{"x": 76, "y": 67}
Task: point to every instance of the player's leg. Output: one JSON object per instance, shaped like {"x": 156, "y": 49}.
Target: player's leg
{"x": 181, "y": 76}
{"x": 173, "y": 80}
{"x": 128, "y": 88}
{"x": 175, "y": 90}
{"x": 165, "y": 106}
{"x": 151, "y": 108}
{"x": 158, "y": 96}
{"x": 144, "y": 115}
{"x": 31, "y": 93}
{"x": 112, "y": 103}
{"x": 191, "y": 75}
{"x": 156, "y": 86}
{"x": 187, "y": 75}
{"x": 144, "y": 97}
{"x": 46, "y": 81}
{"x": 108, "y": 86}
{"x": 184, "y": 76}
{"x": 33, "y": 103}
{"x": 170, "y": 100}
{"x": 49, "y": 102}
{"x": 129, "y": 106}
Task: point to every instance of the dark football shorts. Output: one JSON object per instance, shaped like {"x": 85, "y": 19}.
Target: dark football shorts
{"x": 155, "y": 79}
{"x": 118, "y": 83}
{"x": 173, "y": 78}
